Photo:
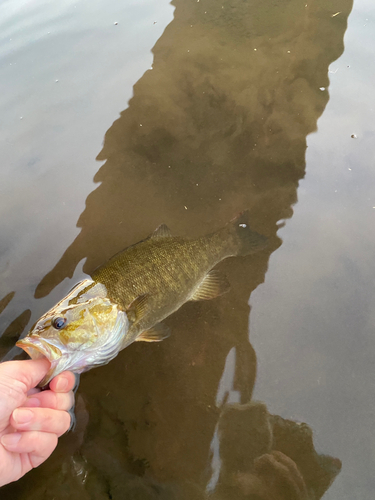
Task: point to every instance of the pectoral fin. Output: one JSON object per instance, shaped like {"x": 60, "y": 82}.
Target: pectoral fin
{"x": 138, "y": 308}
{"x": 157, "y": 333}
{"x": 213, "y": 285}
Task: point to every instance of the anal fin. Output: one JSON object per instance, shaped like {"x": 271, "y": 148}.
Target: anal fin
{"x": 213, "y": 285}
{"x": 157, "y": 333}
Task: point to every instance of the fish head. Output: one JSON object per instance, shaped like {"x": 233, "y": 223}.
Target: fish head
{"x": 83, "y": 330}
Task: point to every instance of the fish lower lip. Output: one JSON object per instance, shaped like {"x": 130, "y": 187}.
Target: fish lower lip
{"x": 37, "y": 349}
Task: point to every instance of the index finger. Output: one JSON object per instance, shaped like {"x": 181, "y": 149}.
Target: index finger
{"x": 64, "y": 382}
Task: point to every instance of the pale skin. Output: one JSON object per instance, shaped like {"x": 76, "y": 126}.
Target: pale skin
{"x": 31, "y": 421}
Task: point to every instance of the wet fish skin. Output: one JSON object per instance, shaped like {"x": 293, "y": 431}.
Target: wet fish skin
{"x": 168, "y": 270}
{"x": 127, "y": 298}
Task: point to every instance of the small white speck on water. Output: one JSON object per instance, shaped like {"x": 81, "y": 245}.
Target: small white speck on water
{"x": 335, "y": 190}
{"x": 140, "y": 124}
{"x": 21, "y": 117}
{"x": 56, "y": 81}
{"x": 115, "y": 23}
{"x": 288, "y": 51}
{"x": 336, "y": 14}
{"x": 185, "y": 207}
{"x": 242, "y": 225}
{"x": 350, "y": 169}
{"x": 196, "y": 184}
{"x": 373, "y": 207}
{"x": 255, "y": 50}
{"x": 322, "y": 88}
{"x": 188, "y": 50}
{"x": 219, "y": 199}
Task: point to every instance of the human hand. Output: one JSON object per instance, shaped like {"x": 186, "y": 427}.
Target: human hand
{"x": 31, "y": 420}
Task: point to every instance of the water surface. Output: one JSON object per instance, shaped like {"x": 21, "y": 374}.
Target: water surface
{"x": 227, "y": 96}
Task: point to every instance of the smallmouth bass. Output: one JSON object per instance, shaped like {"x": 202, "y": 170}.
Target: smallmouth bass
{"x": 127, "y": 298}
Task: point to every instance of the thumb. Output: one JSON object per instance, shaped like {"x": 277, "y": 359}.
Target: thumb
{"x": 24, "y": 374}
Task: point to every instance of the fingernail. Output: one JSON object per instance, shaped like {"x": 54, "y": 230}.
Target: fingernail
{"x": 62, "y": 384}
{"x": 21, "y": 416}
{"x": 11, "y": 439}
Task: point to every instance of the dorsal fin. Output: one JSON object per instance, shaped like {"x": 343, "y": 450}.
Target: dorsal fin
{"x": 213, "y": 285}
{"x": 162, "y": 231}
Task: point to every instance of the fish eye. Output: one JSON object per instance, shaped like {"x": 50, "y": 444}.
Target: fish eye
{"x": 58, "y": 323}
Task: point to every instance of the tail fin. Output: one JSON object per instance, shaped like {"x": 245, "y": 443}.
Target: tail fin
{"x": 246, "y": 240}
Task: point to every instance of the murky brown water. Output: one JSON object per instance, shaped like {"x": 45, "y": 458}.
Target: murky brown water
{"x": 221, "y": 115}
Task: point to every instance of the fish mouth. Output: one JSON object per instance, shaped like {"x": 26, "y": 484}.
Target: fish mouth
{"x": 38, "y": 348}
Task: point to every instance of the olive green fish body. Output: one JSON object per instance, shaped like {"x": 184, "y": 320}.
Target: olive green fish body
{"x": 167, "y": 271}
{"x": 127, "y": 298}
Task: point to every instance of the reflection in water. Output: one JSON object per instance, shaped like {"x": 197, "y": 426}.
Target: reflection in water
{"x": 14, "y": 330}
{"x": 272, "y": 458}
{"x": 218, "y": 125}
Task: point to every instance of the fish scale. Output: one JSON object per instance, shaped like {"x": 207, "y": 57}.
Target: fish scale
{"x": 127, "y": 298}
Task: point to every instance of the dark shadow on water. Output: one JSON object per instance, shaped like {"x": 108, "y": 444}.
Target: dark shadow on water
{"x": 217, "y": 126}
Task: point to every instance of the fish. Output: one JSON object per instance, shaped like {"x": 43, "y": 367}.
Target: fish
{"x": 126, "y": 299}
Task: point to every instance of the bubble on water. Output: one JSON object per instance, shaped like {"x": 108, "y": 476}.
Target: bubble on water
{"x": 243, "y": 225}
